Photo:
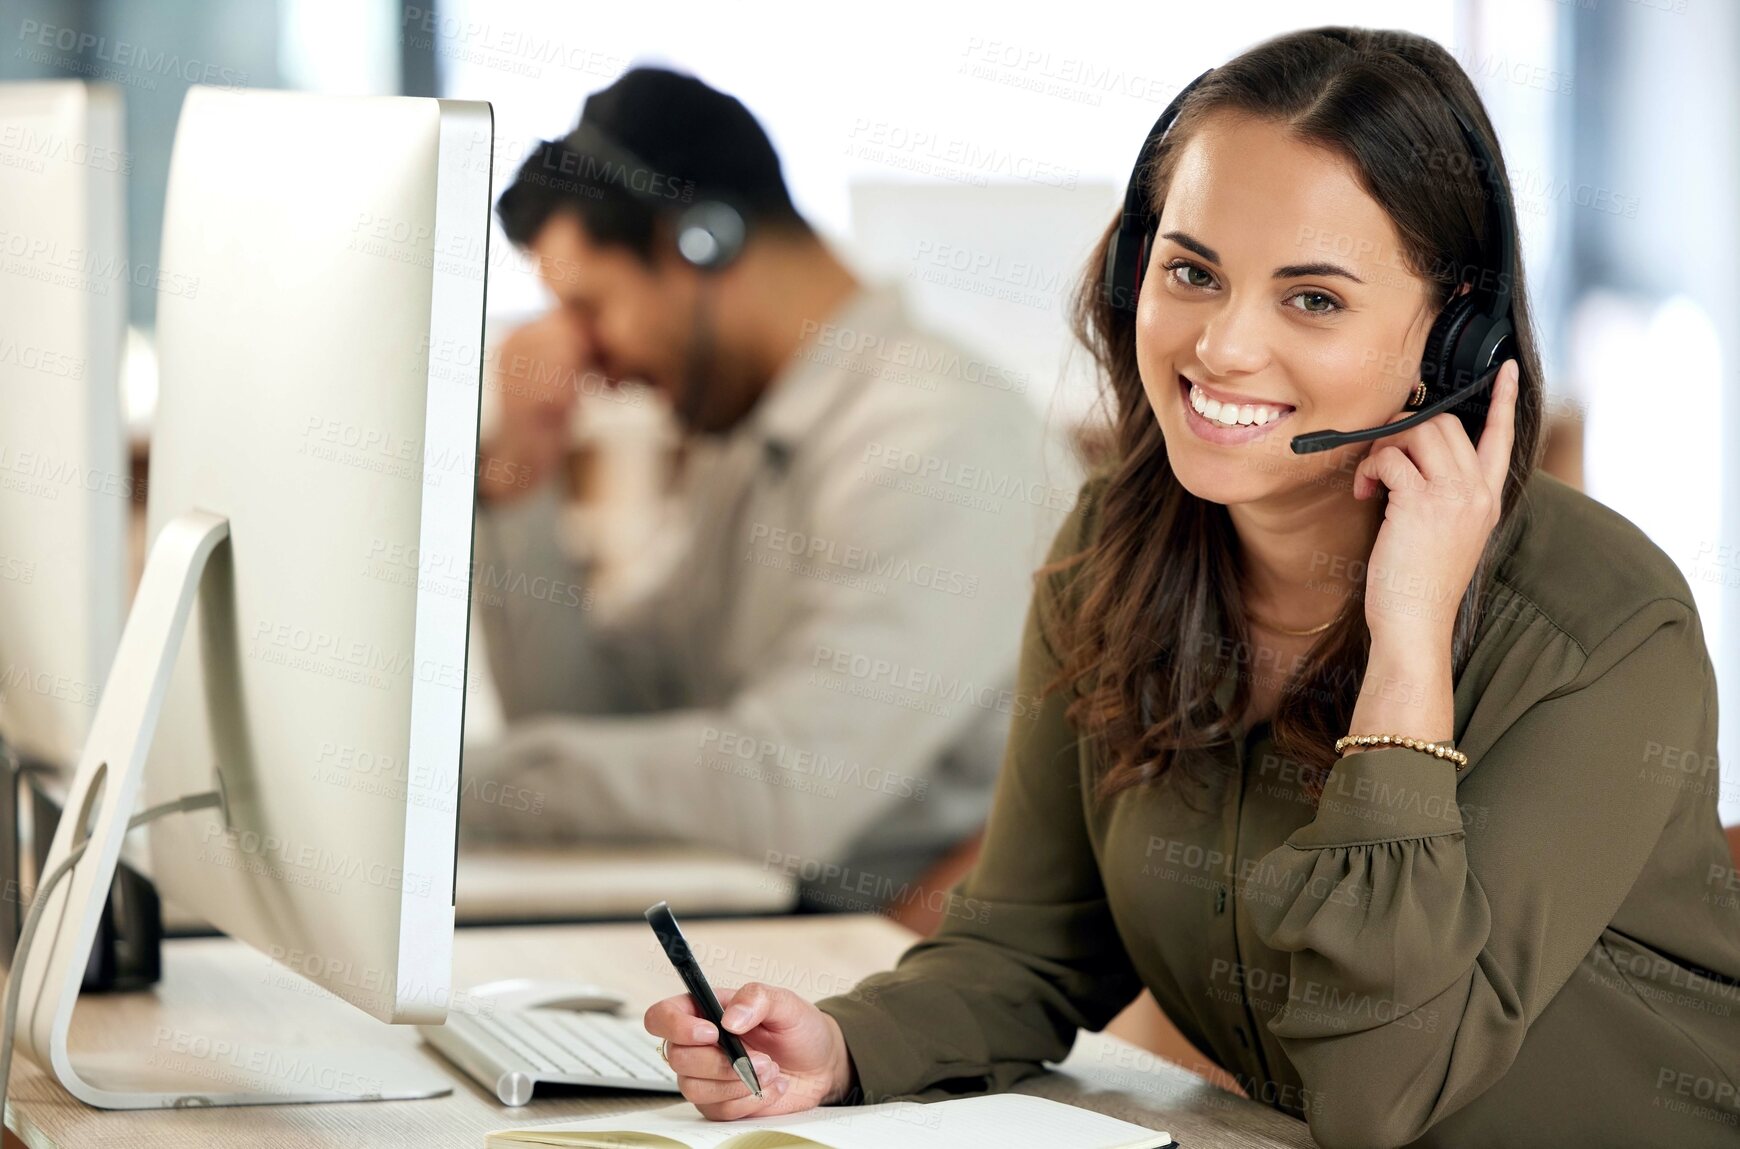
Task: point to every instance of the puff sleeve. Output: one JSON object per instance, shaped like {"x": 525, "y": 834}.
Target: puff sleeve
{"x": 1421, "y": 948}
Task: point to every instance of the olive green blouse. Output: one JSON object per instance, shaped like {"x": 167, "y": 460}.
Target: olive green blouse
{"x": 1543, "y": 950}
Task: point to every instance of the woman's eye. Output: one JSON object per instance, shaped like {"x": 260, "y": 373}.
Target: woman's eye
{"x": 1182, "y": 272}
{"x": 1318, "y": 303}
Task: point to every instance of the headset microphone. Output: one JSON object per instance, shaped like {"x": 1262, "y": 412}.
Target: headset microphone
{"x": 1329, "y": 440}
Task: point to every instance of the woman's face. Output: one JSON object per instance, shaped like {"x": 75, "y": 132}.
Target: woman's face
{"x": 1276, "y": 282}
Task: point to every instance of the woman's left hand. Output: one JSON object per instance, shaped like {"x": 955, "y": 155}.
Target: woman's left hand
{"x": 1444, "y": 501}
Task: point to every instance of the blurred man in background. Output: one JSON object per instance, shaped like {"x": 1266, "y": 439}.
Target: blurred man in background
{"x": 824, "y": 682}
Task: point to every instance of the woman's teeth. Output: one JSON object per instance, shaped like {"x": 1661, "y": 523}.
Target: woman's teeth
{"x": 1231, "y": 414}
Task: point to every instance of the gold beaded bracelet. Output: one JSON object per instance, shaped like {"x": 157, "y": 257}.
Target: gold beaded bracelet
{"x": 1432, "y": 748}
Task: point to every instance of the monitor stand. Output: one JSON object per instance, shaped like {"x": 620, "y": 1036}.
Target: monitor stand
{"x": 183, "y": 1069}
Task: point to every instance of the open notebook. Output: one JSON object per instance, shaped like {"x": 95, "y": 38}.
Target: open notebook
{"x": 994, "y": 1121}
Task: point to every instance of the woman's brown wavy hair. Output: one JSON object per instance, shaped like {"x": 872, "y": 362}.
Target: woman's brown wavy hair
{"x": 1158, "y": 584}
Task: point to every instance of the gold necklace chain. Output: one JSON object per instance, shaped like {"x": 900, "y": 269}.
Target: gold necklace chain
{"x": 1288, "y": 630}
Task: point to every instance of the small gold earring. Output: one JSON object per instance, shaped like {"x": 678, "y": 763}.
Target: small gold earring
{"x": 1418, "y": 398}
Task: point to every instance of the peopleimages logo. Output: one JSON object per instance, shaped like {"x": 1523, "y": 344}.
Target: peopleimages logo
{"x": 46, "y": 259}
{"x": 32, "y": 358}
{"x": 35, "y": 149}
{"x": 730, "y": 744}
{"x": 916, "y": 356}
{"x": 966, "y": 476}
{"x": 913, "y": 683}
{"x": 124, "y": 54}
{"x": 860, "y": 559}
{"x": 275, "y": 852}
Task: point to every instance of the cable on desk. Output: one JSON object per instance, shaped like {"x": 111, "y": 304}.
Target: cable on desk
{"x": 44, "y": 888}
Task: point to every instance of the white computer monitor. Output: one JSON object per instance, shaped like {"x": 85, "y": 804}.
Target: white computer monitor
{"x": 297, "y": 647}
{"x": 64, "y": 482}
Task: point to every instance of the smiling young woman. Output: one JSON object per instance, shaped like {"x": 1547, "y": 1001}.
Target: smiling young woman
{"x": 1512, "y": 928}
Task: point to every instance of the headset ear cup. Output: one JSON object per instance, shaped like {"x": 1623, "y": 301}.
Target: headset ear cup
{"x": 1126, "y": 257}
{"x": 1437, "y": 362}
{"x": 710, "y": 235}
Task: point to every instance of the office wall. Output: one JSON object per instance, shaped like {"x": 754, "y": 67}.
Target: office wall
{"x": 1651, "y": 317}
{"x": 916, "y": 135}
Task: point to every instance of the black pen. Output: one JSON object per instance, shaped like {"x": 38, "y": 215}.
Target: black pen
{"x": 677, "y": 949}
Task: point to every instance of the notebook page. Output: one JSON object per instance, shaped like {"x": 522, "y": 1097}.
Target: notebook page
{"x": 997, "y": 1121}
{"x": 680, "y": 1122}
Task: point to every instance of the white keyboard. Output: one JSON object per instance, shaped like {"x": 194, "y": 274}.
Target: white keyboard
{"x": 511, "y": 1050}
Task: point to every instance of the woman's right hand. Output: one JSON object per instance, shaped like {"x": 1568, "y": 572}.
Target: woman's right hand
{"x": 798, "y": 1052}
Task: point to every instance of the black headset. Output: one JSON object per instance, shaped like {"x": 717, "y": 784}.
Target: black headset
{"x": 1469, "y": 341}
{"x": 710, "y": 232}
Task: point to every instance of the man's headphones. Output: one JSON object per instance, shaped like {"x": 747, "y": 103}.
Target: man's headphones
{"x": 1469, "y": 341}
{"x": 710, "y": 232}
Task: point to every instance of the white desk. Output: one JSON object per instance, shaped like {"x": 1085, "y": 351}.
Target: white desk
{"x": 579, "y": 883}
{"x": 546, "y": 884}
{"x": 219, "y": 989}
